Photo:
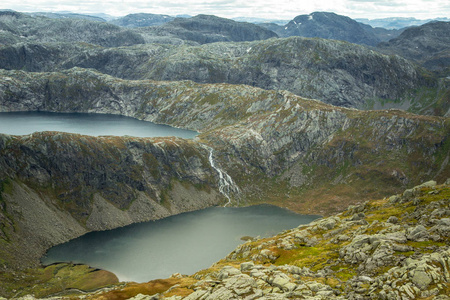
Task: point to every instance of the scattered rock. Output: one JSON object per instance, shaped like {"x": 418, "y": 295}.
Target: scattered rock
{"x": 392, "y": 219}
{"x": 418, "y": 233}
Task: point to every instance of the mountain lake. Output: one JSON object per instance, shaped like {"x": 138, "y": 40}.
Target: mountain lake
{"x": 22, "y": 123}
{"x": 184, "y": 243}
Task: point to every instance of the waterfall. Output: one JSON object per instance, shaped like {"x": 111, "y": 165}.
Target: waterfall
{"x": 226, "y": 184}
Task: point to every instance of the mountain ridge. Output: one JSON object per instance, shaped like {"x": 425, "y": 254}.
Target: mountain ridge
{"x": 335, "y": 72}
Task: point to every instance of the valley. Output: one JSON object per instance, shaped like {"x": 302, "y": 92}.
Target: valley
{"x": 307, "y": 123}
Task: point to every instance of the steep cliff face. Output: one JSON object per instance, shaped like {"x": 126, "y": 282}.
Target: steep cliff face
{"x": 57, "y": 186}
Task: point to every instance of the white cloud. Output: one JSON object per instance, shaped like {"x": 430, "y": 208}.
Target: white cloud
{"x": 281, "y": 9}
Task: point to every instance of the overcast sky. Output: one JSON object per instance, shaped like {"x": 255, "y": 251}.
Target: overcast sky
{"x": 273, "y": 9}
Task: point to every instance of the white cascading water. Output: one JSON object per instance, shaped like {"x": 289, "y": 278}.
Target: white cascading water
{"x": 226, "y": 184}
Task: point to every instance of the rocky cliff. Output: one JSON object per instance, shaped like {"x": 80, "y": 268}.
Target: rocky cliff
{"x": 58, "y": 186}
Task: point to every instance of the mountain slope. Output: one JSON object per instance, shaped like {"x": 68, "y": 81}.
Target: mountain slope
{"x": 281, "y": 128}
{"x": 329, "y": 26}
{"x": 398, "y": 22}
{"x": 428, "y": 45}
{"x": 18, "y": 27}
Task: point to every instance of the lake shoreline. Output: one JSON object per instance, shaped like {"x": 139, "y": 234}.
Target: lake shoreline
{"x": 226, "y": 216}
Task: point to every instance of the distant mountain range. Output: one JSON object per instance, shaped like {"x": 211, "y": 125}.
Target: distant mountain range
{"x": 142, "y": 19}
{"x": 398, "y": 23}
{"x": 431, "y": 50}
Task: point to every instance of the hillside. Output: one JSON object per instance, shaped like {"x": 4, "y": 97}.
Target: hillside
{"x": 398, "y": 22}
{"x": 17, "y": 27}
{"x": 428, "y": 44}
{"x": 205, "y": 29}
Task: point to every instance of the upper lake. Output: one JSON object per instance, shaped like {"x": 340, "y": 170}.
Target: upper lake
{"x": 184, "y": 243}
{"x": 21, "y": 123}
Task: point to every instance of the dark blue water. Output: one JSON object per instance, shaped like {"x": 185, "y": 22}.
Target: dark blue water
{"x": 21, "y": 123}
{"x": 184, "y": 243}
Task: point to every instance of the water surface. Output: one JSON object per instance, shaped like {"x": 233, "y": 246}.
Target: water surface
{"x": 21, "y": 123}
{"x": 184, "y": 243}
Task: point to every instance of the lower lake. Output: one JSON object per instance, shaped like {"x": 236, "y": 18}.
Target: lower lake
{"x": 184, "y": 243}
{"x": 21, "y": 123}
